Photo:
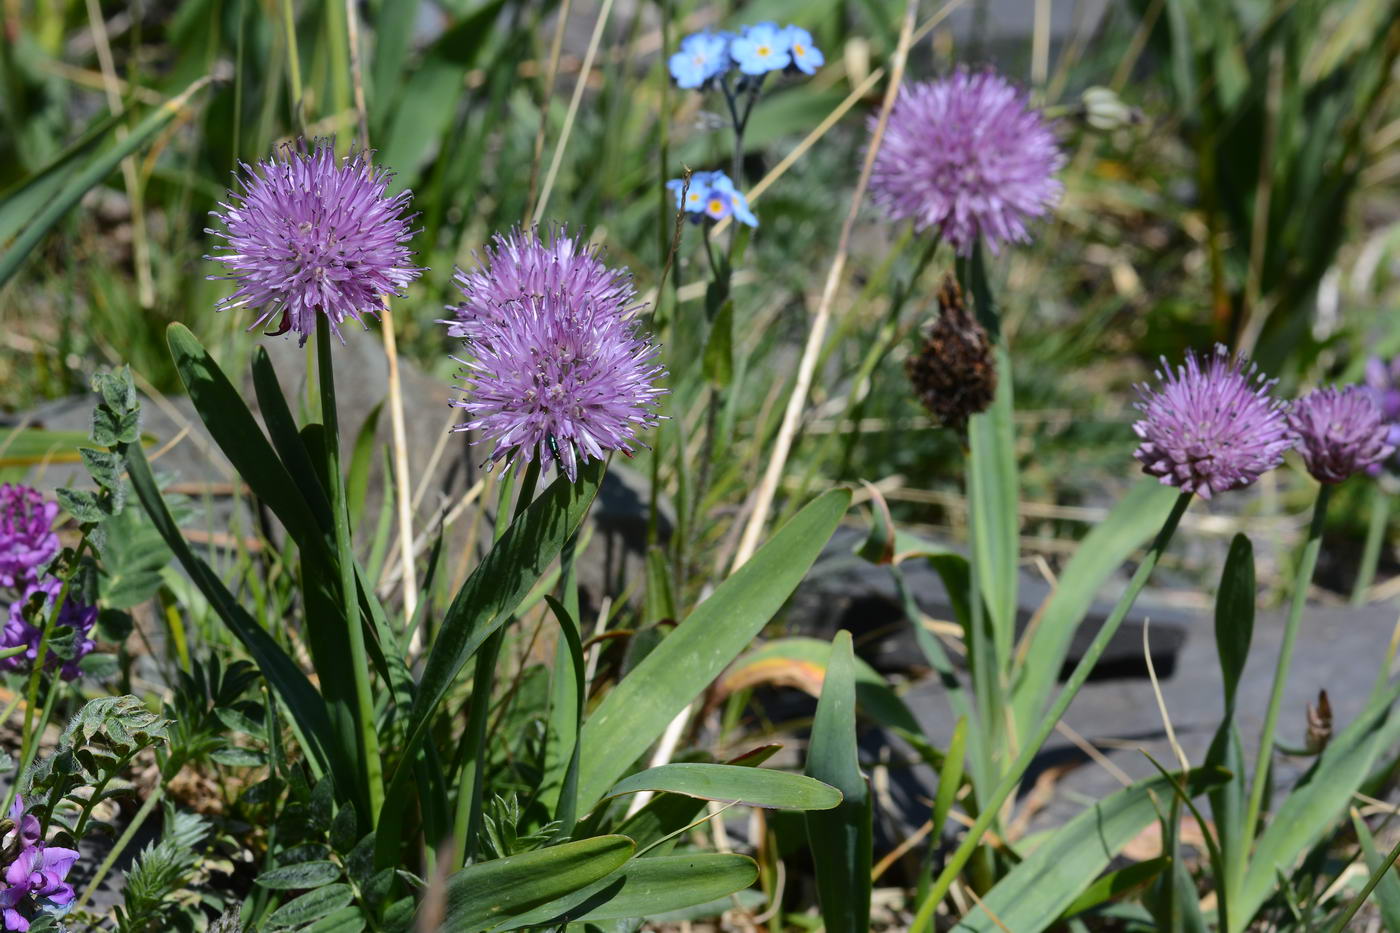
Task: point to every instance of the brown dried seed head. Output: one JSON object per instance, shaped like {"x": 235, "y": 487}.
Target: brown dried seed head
{"x": 954, "y": 373}
{"x": 1319, "y": 723}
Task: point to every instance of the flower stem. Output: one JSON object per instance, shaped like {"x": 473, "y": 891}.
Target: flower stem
{"x": 1381, "y": 871}
{"x": 466, "y": 824}
{"x": 1306, "y": 564}
{"x": 1375, "y": 537}
{"x": 345, "y": 557}
{"x": 992, "y": 805}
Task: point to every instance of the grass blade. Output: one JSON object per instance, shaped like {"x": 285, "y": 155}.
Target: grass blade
{"x": 636, "y": 712}
{"x": 840, "y": 838}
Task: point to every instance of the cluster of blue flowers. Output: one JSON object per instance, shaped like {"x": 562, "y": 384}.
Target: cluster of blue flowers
{"x": 712, "y": 195}
{"x": 757, "y": 50}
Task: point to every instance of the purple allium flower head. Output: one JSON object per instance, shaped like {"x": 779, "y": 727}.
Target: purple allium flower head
{"x": 522, "y": 264}
{"x": 308, "y": 233}
{"x": 36, "y": 876}
{"x": 967, "y": 157}
{"x": 27, "y": 538}
{"x": 1211, "y": 425}
{"x": 556, "y": 366}
{"x": 1340, "y": 432}
{"x": 20, "y": 631}
{"x": 1383, "y": 382}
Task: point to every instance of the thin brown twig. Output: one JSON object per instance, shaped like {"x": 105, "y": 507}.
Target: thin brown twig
{"x": 551, "y": 73}
{"x": 763, "y": 498}
{"x": 140, "y": 241}
{"x": 352, "y": 31}
{"x": 593, "y": 42}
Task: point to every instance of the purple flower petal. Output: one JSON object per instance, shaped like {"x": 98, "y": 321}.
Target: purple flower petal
{"x": 968, "y": 157}
{"x": 310, "y": 234}
{"x": 1210, "y": 426}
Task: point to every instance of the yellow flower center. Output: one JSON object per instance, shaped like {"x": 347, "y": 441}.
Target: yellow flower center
{"x": 716, "y": 205}
{"x": 798, "y": 50}
{"x": 764, "y": 50}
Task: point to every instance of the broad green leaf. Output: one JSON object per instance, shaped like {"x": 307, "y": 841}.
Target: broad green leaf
{"x": 313, "y": 905}
{"x": 667, "y": 814}
{"x": 635, "y": 712}
{"x": 993, "y": 502}
{"x": 285, "y": 678}
{"x": 92, "y": 174}
{"x": 287, "y": 440}
{"x": 840, "y": 838}
{"x": 490, "y": 894}
{"x": 1115, "y": 884}
{"x": 1234, "y": 614}
{"x": 483, "y": 604}
{"x": 238, "y": 435}
{"x": 1317, "y": 803}
{"x": 1387, "y": 892}
{"x": 719, "y": 348}
{"x": 1131, "y": 524}
{"x": 1052, "y": 877}
{"x": 24, "y": 200}
{"x": 645, "y": 887}
{"x": 361, "y": 459}
{"x": 346, "y": 920}
{"x": 801, "y": 662}
{"x": 25, "y": 447}
{"x": 423, "y": 113}
{"x": 300, "y": 876}
{"x": 1234, "y": 629}
{"x": 950, "y": 777}
{"x": 751, "y": 787}
{"x": 559, "y": 784}
{"x": 132, "y": 558}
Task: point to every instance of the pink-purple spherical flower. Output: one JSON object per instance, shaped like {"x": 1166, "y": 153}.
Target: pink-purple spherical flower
{"x": 1340, "y": 432}
{"x": 967, "y": 157}
{"x": 556, "y": 369}
{"x": 24, "y": 628}
{"x": 1383, "y": 382}
{"x": 1211, "y": 425}
{"x": 27, "y": 538}
{"x": 308, "y": 233}
{"x": 523, "y": 264}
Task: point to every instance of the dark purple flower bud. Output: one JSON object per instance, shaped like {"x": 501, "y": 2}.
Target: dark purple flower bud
{"x": 27, "y": 538}
{"x": 310, "y": 234}
{"x": 1211, "y": 425}
{"x": 967, "y": 156}
{"x": 1340, "y": 432}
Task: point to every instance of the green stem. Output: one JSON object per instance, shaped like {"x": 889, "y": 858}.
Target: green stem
{"x": 1375, "y": 879}
{"x": 992, "y": 805}
{"x": 1375, "y": 537}
{"x": 1306, "y": 564}
{"x": 120, "y": 845}
{"x": 289, "y": 25}
{"x": 466, "y": 823}
{"x": 345, "y": 558}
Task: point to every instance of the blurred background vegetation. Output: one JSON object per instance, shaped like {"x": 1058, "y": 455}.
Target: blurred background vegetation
{"x": 1245, "y": 192}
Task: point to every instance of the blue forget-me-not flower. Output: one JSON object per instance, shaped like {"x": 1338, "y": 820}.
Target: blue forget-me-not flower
{"x": 713, "y": 195}
{"x": 702, "y": 57}
{"x": 762, "y": 48}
